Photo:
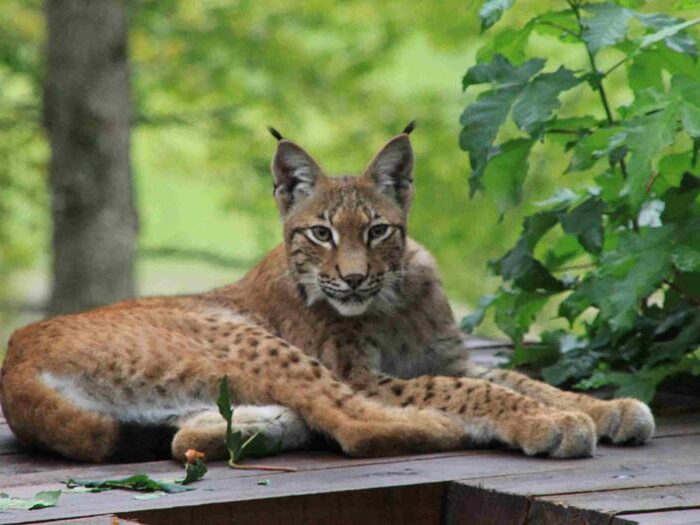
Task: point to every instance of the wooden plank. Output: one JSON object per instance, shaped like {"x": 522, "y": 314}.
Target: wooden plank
{"x": 31, "y": 470}
{"x": 632, "y": 500}
{"x": 474, "y": 505}
{"x": 232, "y": 488}
{"x": 546, "y": 513}
{"x": 418, "y": 504}
{"x": 328, "y": 473}
{"x": 675, "y": 517}
{"x": 38, "y": 471}
{"x": 467, "y": 505}
{"x": 95, "y": 520}
{"x": 598, "y": 477}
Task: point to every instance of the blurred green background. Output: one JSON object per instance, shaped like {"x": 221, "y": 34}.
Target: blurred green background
{"x": 208, "y": 77}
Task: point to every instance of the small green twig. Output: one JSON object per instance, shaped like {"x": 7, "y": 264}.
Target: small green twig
{"x": 651, "y": 181}
{"x": 583, "y": 266}
{"x": 238, "y": 466}
{"x": 560, "y": 131}
{"x": 598, "y": 83}
{"x": 692, "y": 298}
{"x": 617, "y": 64}
{"x": 562, "y": 28}
{"x": 237, "y": 451}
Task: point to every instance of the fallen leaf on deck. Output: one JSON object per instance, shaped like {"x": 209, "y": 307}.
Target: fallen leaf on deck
{"x": 41, "y": 500}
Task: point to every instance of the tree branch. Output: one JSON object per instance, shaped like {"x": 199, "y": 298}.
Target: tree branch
{"x": 692, "y": 298}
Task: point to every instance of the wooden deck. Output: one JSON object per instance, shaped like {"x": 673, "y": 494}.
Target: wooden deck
{"x": 656, "y": 484}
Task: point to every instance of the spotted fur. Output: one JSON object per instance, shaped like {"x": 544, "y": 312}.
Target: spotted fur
{"x": 343, "y": 330}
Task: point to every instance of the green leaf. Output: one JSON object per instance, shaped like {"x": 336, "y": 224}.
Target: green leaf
{"x": 150, "y": 496}
{"x": 482, "y": 119}
{"x": 561, "y": 24}
{"x": 535, "y": 354}
{"x": 562, "y": 251}
{"x": 687, "y": 89}
{"x": 679, "y": 200}
{"x": 575, "y": 358}
{"x": 500, "y": 73}
{"x": 234, "y": 440}
{"x": 678, "y": 40}
{"x": 600, "y": 144}
{"x": 509, "y": 43}
{"x": 492, "y": 10}
{"x": 685, "y": 253}
{"x": 610, "y": 184}
{"x": 223, "y": 402}
{"x": 505, "y": 173}
{"x": 690, "y": 116}
{"x": 40, "y": 500}
{"x": 138, "y": 482}
{"x": 193, "y": 472}
{"x": 519, "y": 266}
{"x": 626, "y": 275}
{"x": 647, "y": 136}
{"x": 471, "y": 321}
{"x": 238, "y": 449}
{"x": 606, "y": 27}
{"x": 515, "y": 311}
{"x": 645, "y": 70}
{"x": 668, "y": 32}
{"x": 586, "y": 223}
{"x": 540, "y": 98}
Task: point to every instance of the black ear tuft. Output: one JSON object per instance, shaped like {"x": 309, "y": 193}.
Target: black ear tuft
{"x": 275, "y": 133}
{"x": 410, "y": 127}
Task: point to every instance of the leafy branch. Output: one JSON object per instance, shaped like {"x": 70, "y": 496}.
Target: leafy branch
{"x": 632, "y": 236}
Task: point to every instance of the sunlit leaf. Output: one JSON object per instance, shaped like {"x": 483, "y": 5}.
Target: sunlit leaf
{"x": 607, "y": 25}
{"x": 471, "y": 321}
{"x": 492, "y": 10}
{"x": 540, "y": 98}
{"x": 506, "y": 171}
{"x": 482, "y": 119}
{"x": 586, "y": 223}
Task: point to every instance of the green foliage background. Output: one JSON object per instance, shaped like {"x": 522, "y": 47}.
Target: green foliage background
{"x": 338, "y": 77}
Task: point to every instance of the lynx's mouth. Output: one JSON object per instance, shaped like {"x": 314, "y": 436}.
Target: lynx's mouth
{"x": 350, "y": 302}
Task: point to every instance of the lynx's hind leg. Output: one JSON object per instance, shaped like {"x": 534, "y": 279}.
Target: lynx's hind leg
{"x": 41, "y": 417}
{"x": 205, "y": 431}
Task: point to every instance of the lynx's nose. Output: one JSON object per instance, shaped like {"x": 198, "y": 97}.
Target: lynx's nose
{"x": 353, "y": 280}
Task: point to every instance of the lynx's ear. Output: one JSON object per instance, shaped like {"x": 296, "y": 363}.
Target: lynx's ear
{"x": 295, "y": 174}
{"x": 391, "y": 170}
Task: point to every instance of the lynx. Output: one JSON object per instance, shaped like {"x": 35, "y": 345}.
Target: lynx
{"x": 342, "y": 331}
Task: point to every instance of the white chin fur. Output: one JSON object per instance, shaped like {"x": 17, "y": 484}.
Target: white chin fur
{"x": 349, "y": 309}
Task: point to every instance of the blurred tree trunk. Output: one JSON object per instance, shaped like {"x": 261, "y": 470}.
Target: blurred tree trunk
{"x": 87, "y": 115}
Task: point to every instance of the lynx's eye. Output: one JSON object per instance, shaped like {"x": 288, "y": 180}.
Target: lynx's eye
{"x": 378, "y": 231}
{"x": 321, "y": 233}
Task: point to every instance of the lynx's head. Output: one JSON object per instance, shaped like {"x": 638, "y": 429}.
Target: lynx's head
{"x": 345, "y": 236}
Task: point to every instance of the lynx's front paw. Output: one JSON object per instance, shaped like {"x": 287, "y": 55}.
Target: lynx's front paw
{"x": 558, "y": 434}
{"x": 624, "y": 421}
